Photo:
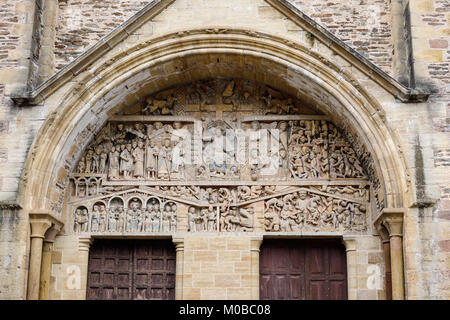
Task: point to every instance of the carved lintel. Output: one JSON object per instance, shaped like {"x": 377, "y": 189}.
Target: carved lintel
{"x": 285, "y": 118}
{"x": 144, "y": 118}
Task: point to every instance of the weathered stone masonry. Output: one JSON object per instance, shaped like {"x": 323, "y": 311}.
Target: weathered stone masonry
{"x": 39, "y": 37}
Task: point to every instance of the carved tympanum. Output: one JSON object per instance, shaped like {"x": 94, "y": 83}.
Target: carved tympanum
{"x": 220, "y": 156}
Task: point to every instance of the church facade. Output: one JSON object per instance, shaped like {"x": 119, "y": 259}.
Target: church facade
{"x": 202, "y": 149}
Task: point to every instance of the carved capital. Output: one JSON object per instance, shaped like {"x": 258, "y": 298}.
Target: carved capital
{"x": 392, "y": 220}
{"x": 41, "y": 221}
{"x": 51, "y": 233}
{"x": 383, "y": 232}
{"x": 255, "y": 243}
{"x": 179, "y": 244}
{"x": 84, "y": 243}
{"x": 349, "y": 243}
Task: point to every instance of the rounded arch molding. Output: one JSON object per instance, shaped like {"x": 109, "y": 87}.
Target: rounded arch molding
{"x": 116, "y": 81}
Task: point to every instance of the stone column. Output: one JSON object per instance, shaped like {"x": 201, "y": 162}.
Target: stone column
{"x": 388, "y": 272}
{"x": 395, "y": 234}
{"x": 179, "y": 247}
{"x": 46, "y": 267}
{"x": 384, "y": 234}
{"x": 40, "y": 222}
{"x": 392, "y": 220}
{"x": 255, "y": 245}
{"x": 39, "y": 226}
{"x": 352, "y": 277}
{"x": 84, "y": 243}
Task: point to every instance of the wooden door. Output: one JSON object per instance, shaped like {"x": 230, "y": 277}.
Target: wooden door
{"x": 303, "y": 270}
{"x": 131, "y": 270}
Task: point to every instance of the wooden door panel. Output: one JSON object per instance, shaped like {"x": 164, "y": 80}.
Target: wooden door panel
{"x": 155, "y": 271}
{"x": 265, "y": 285}
{"x": 338, "y": 289}
{"x": 317, "y": 290}
{"x": 297, "y": 290}
{"x": 303, "y": 269}
{"x": 337, "y": 263}
{"x": 316, "y": 262}
{"x": 125, "y": 270}
{"x": 297, "y": 260}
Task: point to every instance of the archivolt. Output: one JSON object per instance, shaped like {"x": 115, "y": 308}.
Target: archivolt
{"x": 117, "y": 82}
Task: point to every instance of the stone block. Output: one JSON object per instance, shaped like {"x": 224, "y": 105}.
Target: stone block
{"x": 227, "y": 280}
{"x": 191, "y": 294}
{"x": 438, "y": 44}
{"x": 239, "y": 293}
{"x": 202, "y": 280}
{"x": 213, "y": 294}
{"x": 208, "y": 255}
{"x": 238, "y": 244}
{"x": 242, "y": 267}
{"x": 227, "y": 256}
{"x": 196, "y": 243}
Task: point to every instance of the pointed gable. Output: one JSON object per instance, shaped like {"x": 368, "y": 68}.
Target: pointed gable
{"x": 275, "y": 17}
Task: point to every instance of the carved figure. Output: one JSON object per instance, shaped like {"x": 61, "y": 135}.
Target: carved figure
{"x": 173, "y": 218}
{"x": 114, "y": 164}
{"x": 126, "y": 164}
{"x": 212, "y": 219}
{"x": 81, "y": 220}
{"x": 151, "y": 163}
{"x": 133, "y": 216}
{"x": 95, "y": 219}
{"x": 102, "y": 219}
{"x": 192, "y": 219}
{"x": 166, "y": 217}
{"x": 164, "y": 160}
{"x": 138, "y": 156}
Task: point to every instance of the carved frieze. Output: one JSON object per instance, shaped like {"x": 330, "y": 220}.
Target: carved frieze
{"x": 307, "y": 211}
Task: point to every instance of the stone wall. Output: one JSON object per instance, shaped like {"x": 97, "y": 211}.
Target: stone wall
{"x": 18, "y": 126}
{"x": 9, "y": 40}
{"x": 422, "y": 128}
{"x": 219, "y": 267}
{"x": 13, "y": 252}
{"x": 82, "y": 23}
{"x": 364, "y": 25}
{"x": 427, "y": 229}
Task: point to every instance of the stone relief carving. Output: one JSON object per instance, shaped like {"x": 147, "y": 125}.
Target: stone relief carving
{"x": 306, "y": 149}
{"x": 225, "y": 209}
{"x": 221, "y": 156}
{"x": 306, "y": 211}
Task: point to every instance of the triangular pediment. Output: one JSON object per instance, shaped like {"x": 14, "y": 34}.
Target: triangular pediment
{"x": 161, "y": 17}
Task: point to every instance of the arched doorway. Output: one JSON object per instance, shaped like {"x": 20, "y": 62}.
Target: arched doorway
{"x": 218, "y": 73}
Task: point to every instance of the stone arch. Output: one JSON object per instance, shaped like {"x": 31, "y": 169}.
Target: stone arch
{"x": 83, "y": 105}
